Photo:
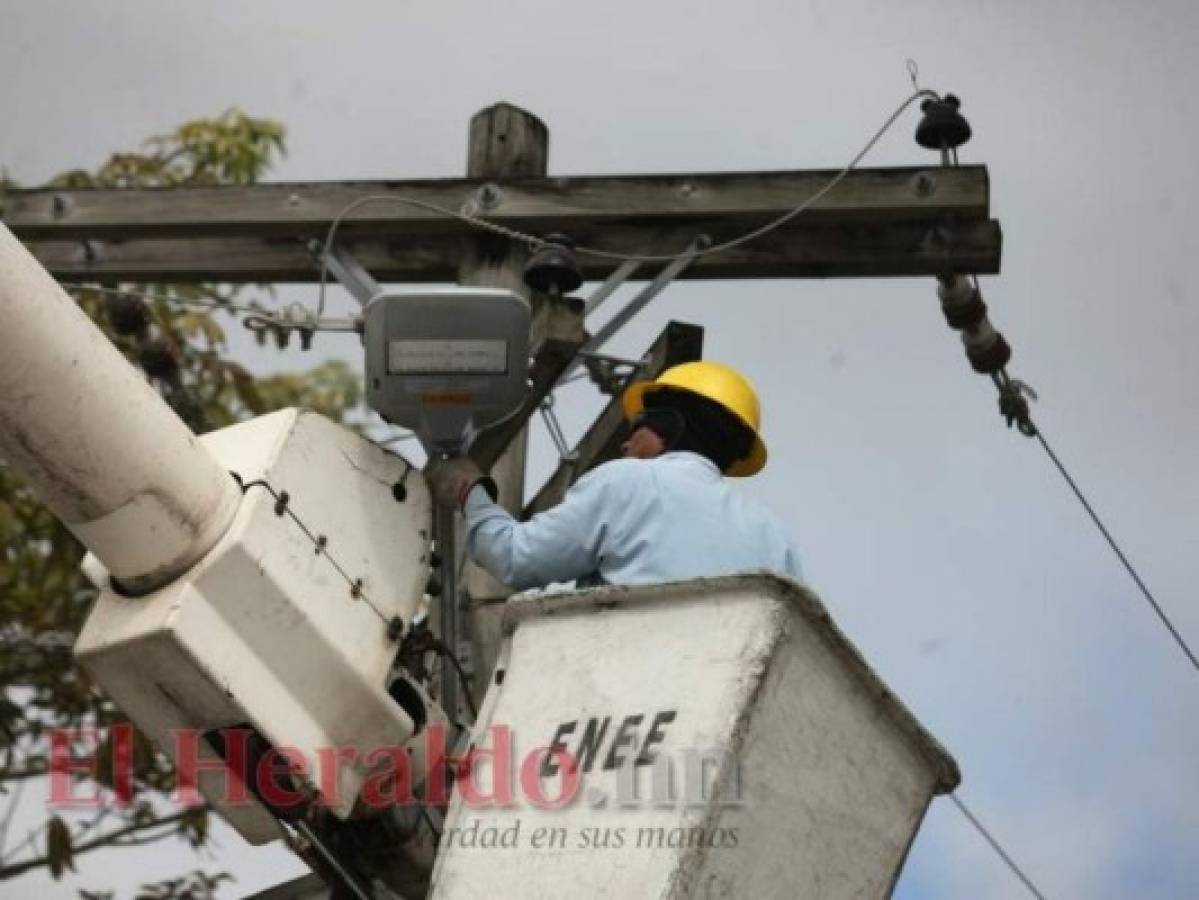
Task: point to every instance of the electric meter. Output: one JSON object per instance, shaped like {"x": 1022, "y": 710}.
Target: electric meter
{"x": 446, "y": 363}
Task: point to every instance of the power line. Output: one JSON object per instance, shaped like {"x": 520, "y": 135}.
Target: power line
{"x": 294, "y": 316}
{"x": 1156, "y": 607}
{"x": 997, "y": 847}
{"x": 195, "y": 302}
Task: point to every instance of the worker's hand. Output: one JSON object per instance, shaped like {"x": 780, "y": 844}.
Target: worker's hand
{"x": 450, "y": 480}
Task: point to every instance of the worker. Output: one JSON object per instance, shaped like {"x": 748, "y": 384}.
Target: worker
{"x": 662, "y": 513}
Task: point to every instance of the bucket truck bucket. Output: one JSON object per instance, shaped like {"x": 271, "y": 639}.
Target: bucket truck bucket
{"x": 286, "y": 627}
{"x": 710, "y": 738}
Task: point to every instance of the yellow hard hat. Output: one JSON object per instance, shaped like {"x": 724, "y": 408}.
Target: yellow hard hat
{"x": 718, "y": 383}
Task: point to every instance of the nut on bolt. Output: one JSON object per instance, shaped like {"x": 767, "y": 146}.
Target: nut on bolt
{"x": 924, "y": 184}
{"x": 489, "y": 196}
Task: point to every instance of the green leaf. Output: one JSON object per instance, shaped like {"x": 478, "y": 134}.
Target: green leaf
{"x": 247, "y": 390}
{"x": 59, "y": 848}
{"x": 194, "y": 826}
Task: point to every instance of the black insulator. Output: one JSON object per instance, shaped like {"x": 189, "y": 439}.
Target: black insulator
{"x": 964, "y": 316}
{"x": 159, "y": 360}
{"x": 991, "y": 359}
{"x": 127, "y": 314}
{"x": 942, "y": 127}
{"x": 553, "y": 269}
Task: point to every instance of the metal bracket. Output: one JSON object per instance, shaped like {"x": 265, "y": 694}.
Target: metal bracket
{"x": 668, "y": 274}
{"x": 348, "y": 271}
{"x": 610, "y": 373}
{"x": 618, "y": 277}
{"x": 554, "y": 427}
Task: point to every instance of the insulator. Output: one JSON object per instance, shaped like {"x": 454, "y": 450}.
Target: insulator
{"x": 966, "y": 314}
{"x": 942, "y": 126}
{"x": 989, "y": 358}
{"x": 553, "y": 269}
{"x": 127, "y": 314}
{"x": 954, "y": 288}
{"x": 981, "y": 335}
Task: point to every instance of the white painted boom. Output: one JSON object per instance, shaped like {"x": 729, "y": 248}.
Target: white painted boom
{"x": 96, "y": 442}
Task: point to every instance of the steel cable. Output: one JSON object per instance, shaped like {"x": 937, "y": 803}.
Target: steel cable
{"x": 1111, "y": 541}
{"x": 997, "y": 847}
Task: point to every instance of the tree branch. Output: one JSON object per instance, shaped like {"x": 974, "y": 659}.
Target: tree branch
{"x": 8, "y": 815}
{"x": 109, "y": 838}
{"x": 22, "y": 774}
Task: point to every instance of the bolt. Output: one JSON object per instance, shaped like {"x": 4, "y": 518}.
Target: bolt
{"x": 924, "y": 184}
{"x": 489, "y": 196}
{"x": 58, "y": 206}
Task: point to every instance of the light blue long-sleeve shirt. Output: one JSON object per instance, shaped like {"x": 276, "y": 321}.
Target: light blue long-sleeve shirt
{"x": 632, "y": 521}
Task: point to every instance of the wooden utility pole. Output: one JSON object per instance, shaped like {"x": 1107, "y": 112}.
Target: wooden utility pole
{"x": 507, "y": 143}
{"x": 504, "y": 143}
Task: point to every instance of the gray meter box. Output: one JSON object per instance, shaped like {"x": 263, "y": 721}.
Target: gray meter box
{"x": 446, "y": 363}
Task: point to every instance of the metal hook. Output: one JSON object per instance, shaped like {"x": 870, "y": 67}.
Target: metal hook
{"x": 1024, "y": 388}
{"x": 914, "y": 72}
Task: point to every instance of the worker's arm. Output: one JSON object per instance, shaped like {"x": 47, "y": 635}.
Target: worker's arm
{"x": 561, "y": 544}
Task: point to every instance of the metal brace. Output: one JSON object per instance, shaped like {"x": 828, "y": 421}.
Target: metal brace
{"x": 554, "y": 427}
{"x": 296, "y": 317}
{"x": 618, "y": 277}
{"x": 668, "y": 274}
{"x": 347, "y": 270}
{"x": 610, "y": 373}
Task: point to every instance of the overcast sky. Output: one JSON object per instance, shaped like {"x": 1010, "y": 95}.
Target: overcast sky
{"x": 945, "y": 545}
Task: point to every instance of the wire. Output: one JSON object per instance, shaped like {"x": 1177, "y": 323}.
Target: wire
{"x": 256, "y": 317}
{"x": 785, "y": 217}
{"x": 995, "y": 845}
{"x": 347, "y": 879}
{"x": 463, "y": 679}
{"x": 429, "y": 821}
{"x": 483, "y": 224}
{"x": 535, "y": 242}
{"x": 198, "y": 302}
{"x": 1165, "y": 620}
{"x": 320, "y": 542}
